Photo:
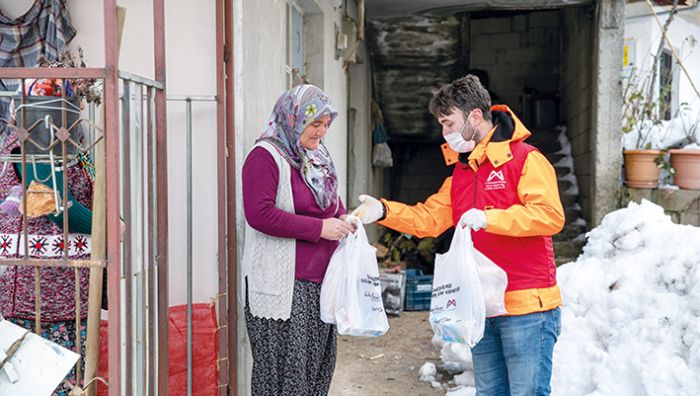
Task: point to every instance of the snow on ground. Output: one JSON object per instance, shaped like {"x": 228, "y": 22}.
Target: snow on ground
{"x": 631, "y": 313}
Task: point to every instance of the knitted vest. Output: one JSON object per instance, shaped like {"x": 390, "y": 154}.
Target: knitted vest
{"x": 269, "y": 262}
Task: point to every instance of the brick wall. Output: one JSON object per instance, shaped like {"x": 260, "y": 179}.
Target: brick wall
{"x": 418, "y": 172}
{"x": 517, "y": 51}
{"x": 576, "y": 96}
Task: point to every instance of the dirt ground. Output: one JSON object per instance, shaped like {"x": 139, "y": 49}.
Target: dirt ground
{"x": 387, "y": 365}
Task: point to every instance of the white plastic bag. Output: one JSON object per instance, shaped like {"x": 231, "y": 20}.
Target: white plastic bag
{"x": 381, "y": 156}
{"x": 351, "y": 294}
{"x": 493, "y": 283}
{"x": 458, "y": 309}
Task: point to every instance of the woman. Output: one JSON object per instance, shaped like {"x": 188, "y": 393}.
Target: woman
{"x": 45, "y": 235}
{"x": 294, "y": 222}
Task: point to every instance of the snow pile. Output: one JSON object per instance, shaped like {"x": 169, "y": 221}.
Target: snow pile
{"x": 664, "y": 134}
{"x": 427, "y": 373}
{"x": 631, "y": 313}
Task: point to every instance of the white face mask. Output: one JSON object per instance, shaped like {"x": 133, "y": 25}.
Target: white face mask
{"x": 459, "y": 143}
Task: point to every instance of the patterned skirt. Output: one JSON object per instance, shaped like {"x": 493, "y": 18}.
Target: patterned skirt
{"x": 63, "y": 334}
{"x": 294, "y": 356}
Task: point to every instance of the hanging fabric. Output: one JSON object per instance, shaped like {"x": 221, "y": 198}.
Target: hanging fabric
{"x": 44, "y": 30}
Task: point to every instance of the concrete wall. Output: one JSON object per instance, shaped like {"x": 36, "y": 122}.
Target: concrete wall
{"x": 607, "y": 108}
{"x": 518, "y": 51}
{"x": 576, "y": 96}
{"x": 260, "y": 77}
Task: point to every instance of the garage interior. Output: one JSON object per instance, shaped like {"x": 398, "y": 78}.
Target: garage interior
{"x": 539, "y": 63}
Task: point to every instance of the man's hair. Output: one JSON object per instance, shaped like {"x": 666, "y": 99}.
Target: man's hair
{"x": 466, "y": 94}
{"x": 482, "y": 75}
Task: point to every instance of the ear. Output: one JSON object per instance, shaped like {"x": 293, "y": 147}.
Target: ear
{"x": 477, "y": 116}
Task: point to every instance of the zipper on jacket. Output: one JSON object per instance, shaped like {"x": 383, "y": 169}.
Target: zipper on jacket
{"x": 476, "y": 182}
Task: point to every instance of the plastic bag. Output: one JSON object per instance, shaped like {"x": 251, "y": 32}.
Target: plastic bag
{"x": 381, "y": 156}
{"x": 205, "y": 351}
{"x": 458, "y": 308}
{"x": 493, "y": 283}
{"x": 351, "y": 294}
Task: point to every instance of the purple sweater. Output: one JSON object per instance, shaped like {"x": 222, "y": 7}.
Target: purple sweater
{"x": 260, "y": 179}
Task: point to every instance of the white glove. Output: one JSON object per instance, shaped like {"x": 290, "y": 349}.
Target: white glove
{"x": 370, "y": 209}
{"x": 474, "y": 219}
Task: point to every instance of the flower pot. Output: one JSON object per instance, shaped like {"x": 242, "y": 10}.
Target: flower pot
{"x": 687, "y": 166}
{"x": 640, "y": 169}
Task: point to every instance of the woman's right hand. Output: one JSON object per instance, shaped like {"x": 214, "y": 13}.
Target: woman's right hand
{"x": 335, "y": 229}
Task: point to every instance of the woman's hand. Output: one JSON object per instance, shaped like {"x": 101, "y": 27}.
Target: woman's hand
{"x": 335, "y": 229}
{"x": 345, "y": 218}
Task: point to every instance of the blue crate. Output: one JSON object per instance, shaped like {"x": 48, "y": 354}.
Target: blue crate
{"x": 419, "y": 289}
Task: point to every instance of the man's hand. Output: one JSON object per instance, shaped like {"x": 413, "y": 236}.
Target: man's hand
{"x": 370, "y": 209}
{"x": 474, "y": 219}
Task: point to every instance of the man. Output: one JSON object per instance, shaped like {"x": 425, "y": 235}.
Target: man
{"x": 506, "y": 192}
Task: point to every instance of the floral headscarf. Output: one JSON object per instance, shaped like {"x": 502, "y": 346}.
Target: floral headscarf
{"x": 294, "y": 111}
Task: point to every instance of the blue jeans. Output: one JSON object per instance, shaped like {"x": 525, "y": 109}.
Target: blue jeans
{"x": 515, "y": 356}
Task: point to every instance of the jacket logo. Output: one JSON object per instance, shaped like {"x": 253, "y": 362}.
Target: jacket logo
{"x": 451, "y": 303}
{"x": 495, "y": 181}
{"x": 495, "y": 175}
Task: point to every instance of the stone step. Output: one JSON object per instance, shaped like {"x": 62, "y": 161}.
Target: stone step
{"x": 563, "y": 185}
{"x": 570, "y": 232}
{"x": 562, "y": 170}
{"x": 568, "y": 200}
{"x": 554, "y": 158}
{"x": 551, "y": 133}
{"x": 563, "y": 260}
{"x": 568, "y": 248}
{"x": 571, "y": 215}
{"x": 546, "y": 146}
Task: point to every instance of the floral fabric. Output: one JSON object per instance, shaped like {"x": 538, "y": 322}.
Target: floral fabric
{"x": 57, "y": 283}
{"x": 295, "y": 110}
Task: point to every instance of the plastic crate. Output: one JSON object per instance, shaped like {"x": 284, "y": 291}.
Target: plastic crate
{"x": 419, "y": 289}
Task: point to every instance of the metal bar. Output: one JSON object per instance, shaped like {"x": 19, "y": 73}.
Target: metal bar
{"x": 91, "y": 128}
{"x": 127, "y": 272}
{"x": 96, "y": 273}
{"x": 52, "y": 73}
{"x": 192, "y": 98}
{"x": 126, "y": 76}
{"x": 188, "y": 144}
{"x": 162, "y": 191}
{"x": 221, "y": 193}
{"x": 150, "y": 180}
{"x": 231, "y": 232}
{"x": 138, "y": 243}
{"x": 111, "y": 106}
{"x": 54, "y": 263}
{"x": 66, "y": 186}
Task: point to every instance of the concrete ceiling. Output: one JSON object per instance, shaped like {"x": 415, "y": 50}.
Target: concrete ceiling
{"x": 380, "y": 9}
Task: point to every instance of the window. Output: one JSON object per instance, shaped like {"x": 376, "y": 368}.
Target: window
{"x": 305, "y": 33}
{"x": 666, "y": 85}
{"x": 295, "y": 43}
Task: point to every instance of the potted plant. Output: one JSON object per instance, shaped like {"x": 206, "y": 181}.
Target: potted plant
{"x": 686, "y": 160}
{"x": 640, "y": 123}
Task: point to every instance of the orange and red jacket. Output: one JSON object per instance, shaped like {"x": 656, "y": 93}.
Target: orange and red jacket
{"x": 517, "y": 188}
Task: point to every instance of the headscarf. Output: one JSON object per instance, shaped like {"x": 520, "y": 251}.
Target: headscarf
{"x": 295, "y": 110}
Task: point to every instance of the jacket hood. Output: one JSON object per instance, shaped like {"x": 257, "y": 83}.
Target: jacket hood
{"x": 507, "y": 128}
